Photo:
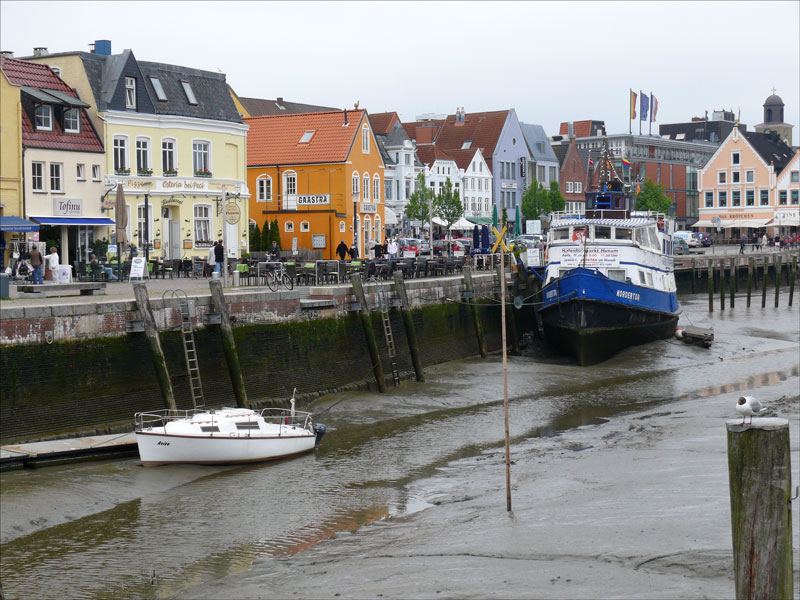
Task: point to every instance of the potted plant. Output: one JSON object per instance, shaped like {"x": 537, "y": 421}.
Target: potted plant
{"x": 202, "y": 173}
{"x": 122, "y": 171}
{"x": 144, "y": 172}
{"x": 170, "y": 172}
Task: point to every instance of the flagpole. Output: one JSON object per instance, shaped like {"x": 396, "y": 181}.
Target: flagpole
{"x": 650, "y": 120}
{"x": 630, "y": 93}
{"x": 640, "y": 112}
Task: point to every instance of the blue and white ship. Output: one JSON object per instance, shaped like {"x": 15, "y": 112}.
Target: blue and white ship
{"x": 609, "y": 277}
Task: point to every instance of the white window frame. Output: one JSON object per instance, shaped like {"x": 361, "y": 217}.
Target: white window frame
{"x": 367, "y": 229}
{"x": 209, "y": 217}
{"x": 289, "y": 177}
{"x": 95, "y": 172}
{"x": 158, "y": 88}
{"x": 173, "y": 151}
{"x": 56, "y": 177}
{"x": 37, "y": 166}
{"x": 376, "y": 228}
{"x": 342, "y": 226}
{"x": 366, "y": 187}
{"x": 288, "y": 227}
{"x": 750, "y": 176}
{"x": 199, "y": 151}
{"x": 187, "y": 89}
{"x": 376, "y": 188}
{"x": 80, "y": 172}
{"x": 305, "y": 226}
{"x": 43, "y": 117}
{"x": 130, "y": 92}
{"x": 578, "y": 187}
{"x": 709, "y": 200}
{"x": 76, "y": 126}
{"x": 736, "y": 177}
{"x": 365, "y": 139}
{"x": 735, "y": 154}
{"x": 140, "y": 226}
{"x": 722, "y": 178}
{"x": 120, "y": 151}
{"x": 761, "y": 197}
{"x": 569, "y": 187}
{"x": 263, "y": 188}
{"x": 143, "y": 152}
{"x": 356, "y": 186}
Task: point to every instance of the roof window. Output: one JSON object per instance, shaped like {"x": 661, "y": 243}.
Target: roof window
{"x": 306, "y": 137}
{"x": 466, "y": 145}
{"x": 159, "y": 89}
{"x": 187, "y": 88}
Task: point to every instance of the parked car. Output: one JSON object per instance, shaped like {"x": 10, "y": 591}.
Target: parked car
{"x": 680, "y": 246}
{"x": 705, "y": 239}
{"x": 441, "y": 247}
{"x": 527, "y": 241}
{"x": 408, "y": 245}
{"x": 689, "y": 236}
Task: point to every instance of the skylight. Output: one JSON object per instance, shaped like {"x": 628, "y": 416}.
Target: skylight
{"x": 159, "y": 89}
{"x": 306, "y": 137}
{"x": 187, "y": 88}
{"x": 466, "y": 145}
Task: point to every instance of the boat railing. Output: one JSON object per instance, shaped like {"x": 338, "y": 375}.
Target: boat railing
{"x": 159, "y": 418}
{"x": 284, "y": 416}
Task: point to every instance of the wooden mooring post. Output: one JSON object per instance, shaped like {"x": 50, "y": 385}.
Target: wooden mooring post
{"x": 759, "y": 474}
{"x": 369, "y": 332}
{"x": 764, "y": 275}
{"x": 694, "y": 274}
{"x": 511, "y": 322}
{"x": 473, "y": 310}
{"x": 750, "y": 263}
{"x": 408, "y": 324}
{"x": 710, "y": 286}
{"x": 733, "y": 289}
{"x": 792, "y": 276}
{"x": 154, "y": 343}
{"x": 778, "y": 268}
{"x": 229, "y": 344}
{"x": 722, "y": 284}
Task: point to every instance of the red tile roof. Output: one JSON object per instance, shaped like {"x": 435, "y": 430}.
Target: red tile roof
{"x": 483, "y": 129}
{"x": 36, "y": 76}
{"x": 383, "y": 122}
{"x": 423, "y": 132}
{"x": 580, "y": 128}
{"x": 463, "y": 158}
{"x": 275, "y": 140}
{"x": 429, "y": 153}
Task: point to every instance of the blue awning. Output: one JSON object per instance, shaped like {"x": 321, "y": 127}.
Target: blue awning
{"x": 17, "y": 224}
{"x": 72, "y": 221}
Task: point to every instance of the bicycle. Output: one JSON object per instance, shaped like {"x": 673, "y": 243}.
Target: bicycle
{"x": 275, "y": 278}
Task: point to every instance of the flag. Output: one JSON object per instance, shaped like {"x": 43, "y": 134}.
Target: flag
{"x": 633, "y": 105}
{"x": 626, "y": 163}
{"x": 653, "y": 107}
{"x": 591, "y": 162}
{"x": 643, "y": 106}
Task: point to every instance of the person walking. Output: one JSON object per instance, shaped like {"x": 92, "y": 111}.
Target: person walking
{"x": 52, "y": 263}
{"x": 211, "y": 260}
{"x": 219, "y": 257}
{"x": 765, "y": 241}
{"x": 353, "y": 252}
{"x": 742, "y": 244}
{"x": 341, "y": 250}
{"x": 36, "y": 263}
{"x": 391, "y": 248}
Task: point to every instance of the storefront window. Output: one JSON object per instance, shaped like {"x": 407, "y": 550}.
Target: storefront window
{"x": 202, "y": 224}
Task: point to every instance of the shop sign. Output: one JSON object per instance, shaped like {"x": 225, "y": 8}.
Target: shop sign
{"x": 313, "y": 199}
{"x": 182, "y": 185}
{"x": 368, "y": 208}
{"x": 232, "y": 213}
{"x": 507, "y": 185}
{"x": 67, "y": 207}
{"x": 786, "y": 214}
{"x": 594, "y": 257}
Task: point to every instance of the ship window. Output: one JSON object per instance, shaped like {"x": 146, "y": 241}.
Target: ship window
{"x": 602, "y": 232}
{"x": 562, "y": 272}
{"x": 641, "y": 237}
{"x": 561, "y": 234}
{"x": 649, "y": 279}
{"x": 642, "y": 279}
{"x": 209, "y": 428}
{"x": 623, "y": 234}
{"x": 651, "y": 232}
{"x": 616, "y": 274}
{"x": 247, "y": 425}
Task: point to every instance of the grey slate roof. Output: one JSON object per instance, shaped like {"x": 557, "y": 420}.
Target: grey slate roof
{"x": 260, "y": 107}
{"x": 560, "y": 151}
{"x": 382, "y": 142}
{"x": 771, "y": 148}
{"x": 535, "y": 136}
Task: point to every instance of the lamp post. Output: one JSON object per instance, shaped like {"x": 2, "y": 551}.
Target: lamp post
{"x": 355, "y": 221}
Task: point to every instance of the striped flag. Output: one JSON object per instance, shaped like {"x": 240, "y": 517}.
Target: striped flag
{"x": 633, "y": 104}
{"x": 644, "y": 104}
{"x": 653, "y": 107}
{"x": 626, "y": 163}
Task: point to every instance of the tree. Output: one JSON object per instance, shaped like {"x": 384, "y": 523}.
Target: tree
{"x": 419, "y": 202}
{"x": 536, "y": 201}
{"x": 557, "y": 201}
{"x": 447, "y": 205}
{"x": 653, "y": 197}
{"x": 275, "y": 233}
{"x": 255, "y": 237}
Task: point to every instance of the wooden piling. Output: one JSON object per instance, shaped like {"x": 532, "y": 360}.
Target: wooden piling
{"x": 154, "y": 343}
{"x": 710, "y": 286}
{"x": 750, "y": 263}
{"x": 778, "y": 268}
{"x": 228, "y": 343}
{"x": 735, "y": 272}
{"x": 733, "y": 282}
{"x": 722, "y": 284}
{"x": 408, "y": 324}
{"x": 473, "y": 309}
{"x": 764, "y": 275}
{"x": 792, "y": 276}
{"x": 759, "y": 474}
{"x": 511, "y": 322}
{"x": 694, "y": 274}
{"x": 369, "y": 332}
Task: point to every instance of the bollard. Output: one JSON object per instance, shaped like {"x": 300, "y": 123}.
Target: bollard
{"x": 369, "y": 332}
{"x": 764, "y": 275}
{"x": 710, "y": 286}
{"x": 759, "y": 473}
{"x": 792, "y": 275}
{"x": 778, "y": 268}
{"x": 733, "y": 282}
{"x": 154, "y": 342}
{"x": 750, "y": 262}
{"x": 229, "y": 344}
{"x": 408, "y": 324}
{"x": 722, "y": 284}
{"x": 476, "y": 320}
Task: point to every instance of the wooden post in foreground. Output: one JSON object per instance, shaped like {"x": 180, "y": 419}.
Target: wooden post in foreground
{"x": 408, "y": 324}
{"x": 778, "y": 268}
{"x": 369, "y": 332}
{"x": 734, "y": 288}
{"x": 154, "y": 342}
{"x": 792, "y": 276}
{"x": 750, "y": 263}
{"x": 476, "y": 319}
{"x": 710, "y": 286}
{"x": 722, "y": 284}
{"x": 759, "y": 473}
{"x": 764, "y": 275}
{"x": 229, "y": 344}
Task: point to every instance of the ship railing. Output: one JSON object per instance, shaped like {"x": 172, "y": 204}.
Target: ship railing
{"x": 159, "y": 418}
{"x": 284, "y": 416}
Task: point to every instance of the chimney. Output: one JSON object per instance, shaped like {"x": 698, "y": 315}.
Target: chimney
{"x": 279, "y": 102}
{"x": 570, "y": 130}
{"x": 345, "y": 118}
{"x": 102, "y": 47}
{"x": 40, "y": 51}
{"x": 7, "y": 53}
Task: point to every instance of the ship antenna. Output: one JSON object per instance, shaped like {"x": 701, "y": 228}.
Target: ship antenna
{"x": 585, "y": 247}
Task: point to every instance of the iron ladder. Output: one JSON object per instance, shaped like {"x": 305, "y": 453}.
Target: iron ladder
{"x": 383, "y": 305}
{"x": 189, "y": 349}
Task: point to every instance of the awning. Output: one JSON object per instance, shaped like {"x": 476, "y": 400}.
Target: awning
{"x": 73, "y": 221}
{"x": 438, "y": 221}
{"x": 389, "y": 216}
{"x": 703, "y": 224}
{"x": 462, "y": 225}
{"x": 17, "y": 224}
{"x": 480, "y": 220}
{"x": 785, "y": 222}
{"x": 751, "y": 222}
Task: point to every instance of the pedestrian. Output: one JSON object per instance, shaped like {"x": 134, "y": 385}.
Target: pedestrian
{"x": 133, "y": 251}
{"x": 341, "y": 250}
{"x": 755, "y": 241}
{"x": 392, "y": 248}
{"x": 36, "y": 263}
{"x": 353, "y": 252}
{"x": 274, "y": 251}
{"x": 385, "y": 247}
{"x": 52, "y": 263}
{"x": 742, "y": 243}
{"x": 371, "y": 248}
{"x": 765, "y": 241}
{"x": 211, "y": 259}
{"x": 378, "y": 250}
{"x": 219, "y": 256}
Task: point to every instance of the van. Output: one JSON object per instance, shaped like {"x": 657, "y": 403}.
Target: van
{"x": 689, "y": 236}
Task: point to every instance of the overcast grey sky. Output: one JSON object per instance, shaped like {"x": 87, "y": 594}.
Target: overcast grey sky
{"x": 552, "y": 62}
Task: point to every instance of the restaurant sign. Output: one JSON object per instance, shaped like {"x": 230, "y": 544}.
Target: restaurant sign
{"x": 368, "y": 208}
{"x": 67, "y": 207}
{"x": 232, "y": 213}
{"x": 313, "y": 199}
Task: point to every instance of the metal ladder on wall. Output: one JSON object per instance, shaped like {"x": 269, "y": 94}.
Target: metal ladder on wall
{"x": 383, "y": 305}
{"x": 189, "y": 350}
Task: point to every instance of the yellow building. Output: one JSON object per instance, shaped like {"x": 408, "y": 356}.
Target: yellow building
{"x": 10, "y": 161}
{"x": 176, "y": 143}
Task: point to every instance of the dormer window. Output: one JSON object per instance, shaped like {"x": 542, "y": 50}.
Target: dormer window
{"x": 159, "y": 89}
{"x": 72, "y": 120}
{"x": 44, "y": 117}
{"x": 306, "y": 137}
{"x": 187, "y": 89}
{"x": 130, "y": 92}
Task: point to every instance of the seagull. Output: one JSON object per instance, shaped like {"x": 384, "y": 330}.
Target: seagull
{"x": 749, "y": 407}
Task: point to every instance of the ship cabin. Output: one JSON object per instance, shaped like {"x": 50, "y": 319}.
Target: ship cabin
{"x": 611, "y": 202}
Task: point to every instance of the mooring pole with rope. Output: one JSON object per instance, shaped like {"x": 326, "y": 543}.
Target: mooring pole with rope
{"x": 501, "y": 242}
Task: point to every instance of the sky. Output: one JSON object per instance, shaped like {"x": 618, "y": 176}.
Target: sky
{"x": 550, "y": 61}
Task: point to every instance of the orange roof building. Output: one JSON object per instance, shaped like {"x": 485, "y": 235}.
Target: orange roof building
{"x": 320, "y": 175}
